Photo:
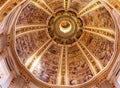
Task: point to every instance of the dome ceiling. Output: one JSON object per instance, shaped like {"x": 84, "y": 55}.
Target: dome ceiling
{"x": 65, "y": 42}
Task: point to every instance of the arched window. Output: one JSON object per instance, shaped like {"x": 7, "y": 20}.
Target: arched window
{"x": 4, "y": 74}
{"x": 118, "y": 80}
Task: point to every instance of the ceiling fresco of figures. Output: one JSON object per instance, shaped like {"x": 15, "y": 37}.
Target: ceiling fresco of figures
{"x": 65, "y": 42}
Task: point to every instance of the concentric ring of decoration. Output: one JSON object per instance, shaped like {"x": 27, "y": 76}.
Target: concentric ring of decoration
{"x": 60, "y": 31}
{"x": 52, "y": 64}
{"x": 62, "y": 35}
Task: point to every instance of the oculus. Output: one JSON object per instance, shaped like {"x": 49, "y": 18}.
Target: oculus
{"x": 65, "y": 27}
